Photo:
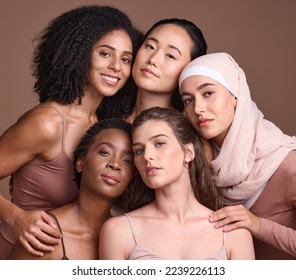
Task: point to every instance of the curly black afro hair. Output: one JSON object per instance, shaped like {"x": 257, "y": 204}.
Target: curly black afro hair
{"x": 62, "y": 58}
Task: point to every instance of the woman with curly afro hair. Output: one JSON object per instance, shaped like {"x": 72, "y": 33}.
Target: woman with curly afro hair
{"x": 82, "y": 56}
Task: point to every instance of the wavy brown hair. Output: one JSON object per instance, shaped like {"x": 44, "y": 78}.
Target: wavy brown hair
{"x": 202, "y": 183}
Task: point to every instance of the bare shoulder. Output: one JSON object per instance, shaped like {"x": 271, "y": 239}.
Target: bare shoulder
{"x": 43, "y": 119}
{"x": 36, "y": 135}
{"x": 116, "y": 241}
{"x": 239, "y": 233}
{"x": 245, "y": 250}
{"x": 115, "y": 224}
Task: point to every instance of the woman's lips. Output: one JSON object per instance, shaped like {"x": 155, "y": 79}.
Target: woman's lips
{"x": 110, "y": 179}
{"x": 203, "y": 122}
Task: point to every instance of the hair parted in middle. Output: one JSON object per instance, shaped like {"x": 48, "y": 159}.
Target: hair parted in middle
{"x": 203, "y": 185}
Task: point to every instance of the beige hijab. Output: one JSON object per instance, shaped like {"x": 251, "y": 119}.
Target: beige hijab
{"x": 254, "y": 147}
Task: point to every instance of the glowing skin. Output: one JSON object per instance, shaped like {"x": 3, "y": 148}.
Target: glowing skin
{"x": 161, "y": 58}
{"x": 159, "y": 157}
{"x": 111, "y": 63}
{"x": 109, "y": 164}
{"x": 209, "y": 106}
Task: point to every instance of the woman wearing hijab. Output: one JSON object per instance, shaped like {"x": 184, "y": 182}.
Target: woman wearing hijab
{"x": 255, "y": 162}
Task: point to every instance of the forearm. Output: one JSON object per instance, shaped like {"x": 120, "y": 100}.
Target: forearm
{"x": 8, "y": 211}
{"x": 279, "y": 236}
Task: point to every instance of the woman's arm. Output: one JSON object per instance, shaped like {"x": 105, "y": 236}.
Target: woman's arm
{"x": 115, "y": 239}
{"x": 240, "y": 245}
{"x": 275, "y": 234}
{"x": 30, "y": 138}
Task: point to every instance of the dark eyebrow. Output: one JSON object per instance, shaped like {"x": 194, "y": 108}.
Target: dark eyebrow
{"x": 151, "y": 138}
{"x": 113, "y": 49}
{"x": 113, "y": 147}
{"x": 199, "y": 88}
{"x": 105, "y": 143}
{"x": 170, "y": 46}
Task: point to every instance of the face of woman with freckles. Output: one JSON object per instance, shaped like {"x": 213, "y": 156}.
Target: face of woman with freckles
{"x": 209, "y": 106}
{"x": 159, "y": 157}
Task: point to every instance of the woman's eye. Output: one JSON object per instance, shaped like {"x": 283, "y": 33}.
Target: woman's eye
{"x": 138, "y": 151}
{"x": 128, "y": 161}
{"x": 104, "y": 153}
{"x": 104, "y": 54}
{"x": 208, "y": 93}
{"x": 159, "y": 144}
{"x": 126, "y": 60}
{"x": 170, "y": 56}
{"x": 187, "y": 101}
{"x": 150, "y": 47}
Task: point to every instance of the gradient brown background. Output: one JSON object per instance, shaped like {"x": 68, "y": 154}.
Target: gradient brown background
{"x": 260, "y": 35}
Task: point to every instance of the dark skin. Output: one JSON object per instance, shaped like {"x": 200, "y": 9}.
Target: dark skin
{"x": 106, "y": 171}
{"x": 36, "y": 137}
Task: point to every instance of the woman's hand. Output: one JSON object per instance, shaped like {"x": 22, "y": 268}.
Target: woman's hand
{"x": 37, "y": 231}
{"x": 233, "y": 217}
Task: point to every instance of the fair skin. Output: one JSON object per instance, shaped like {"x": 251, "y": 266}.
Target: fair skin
{"x": 36, "y": 137}
{"x": 210, "y": 107}
{"x": 106, "y": 171}
{"x": 157, "y": 67}
{"x": 178, "y": 222}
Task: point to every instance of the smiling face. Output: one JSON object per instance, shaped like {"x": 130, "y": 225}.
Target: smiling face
{"x": 111, "y": 63}
{"x": 159, "y": 156}
{"x": 161, "y": 58}
{"x": 209, "y": 106}
{"x": 108, "y": 165}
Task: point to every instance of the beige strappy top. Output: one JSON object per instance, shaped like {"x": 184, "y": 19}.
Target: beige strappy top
{"x": 141, "y": 253}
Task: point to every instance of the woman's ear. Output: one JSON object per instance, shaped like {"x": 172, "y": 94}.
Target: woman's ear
{"x": 79, "y": 164}
{"x": 189, "y": 152}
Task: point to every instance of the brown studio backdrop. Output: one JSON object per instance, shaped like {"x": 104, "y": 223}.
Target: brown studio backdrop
{"x": 259, "y": 34}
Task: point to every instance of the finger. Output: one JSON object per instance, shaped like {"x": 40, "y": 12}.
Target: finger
{"x": 49, "y": 220}
{"x": 225, "y": 222}
{"x": 48, "y": 234}
{"x": 233, "y": 226}
{"x": 48, "y": 226}
{"x": 36, "y": 246}
{"x": 30, "y": 249}
{"x": 46, "y": 239}
{"x": 215, "y": 217}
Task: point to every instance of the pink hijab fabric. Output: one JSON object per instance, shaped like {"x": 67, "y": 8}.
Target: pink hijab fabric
{"x": 254, "y": 147}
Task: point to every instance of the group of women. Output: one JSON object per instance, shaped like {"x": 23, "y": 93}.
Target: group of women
{"x": 151, "y": 124}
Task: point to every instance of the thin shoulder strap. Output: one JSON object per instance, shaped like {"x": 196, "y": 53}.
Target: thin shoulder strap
{"x": 224, "y": 238}
{"x": 58, "y": 224}
{"x": 47, "y": 105}
{"x": 131, "y": 226}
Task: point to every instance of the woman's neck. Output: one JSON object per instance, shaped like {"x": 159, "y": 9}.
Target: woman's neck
{"x": 93, "y": 210}
{"x": 176, "y": 201}
{"x": 146, "y": 100}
